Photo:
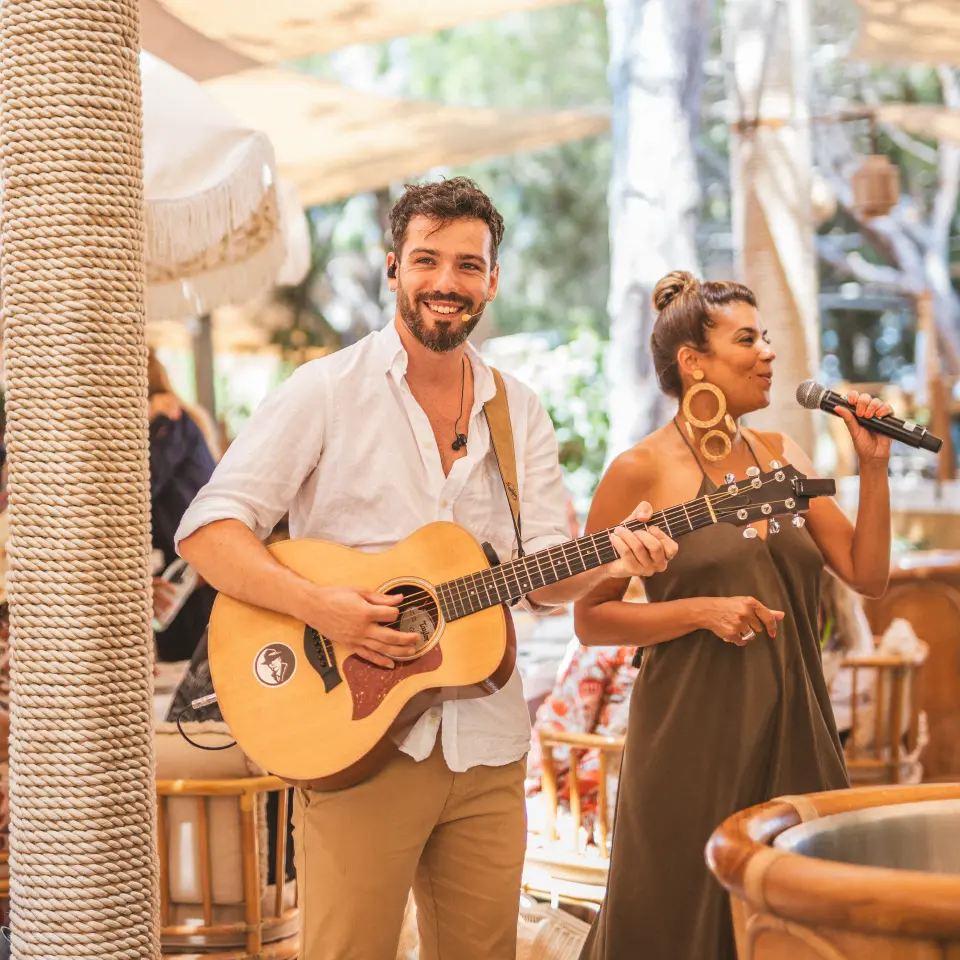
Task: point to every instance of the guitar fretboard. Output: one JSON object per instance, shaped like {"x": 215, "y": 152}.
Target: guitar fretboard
{"x": 512, "y": 580}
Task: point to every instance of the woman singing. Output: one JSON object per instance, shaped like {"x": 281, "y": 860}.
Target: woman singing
{"x": 730, "y": 707}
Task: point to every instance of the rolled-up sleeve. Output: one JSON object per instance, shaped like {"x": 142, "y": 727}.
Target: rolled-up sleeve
{"x": 543, "y": 498}
{"x": 259, "y": 476}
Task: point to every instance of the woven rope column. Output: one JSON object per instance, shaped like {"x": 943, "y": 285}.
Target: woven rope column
{"x": 84, "y": 876}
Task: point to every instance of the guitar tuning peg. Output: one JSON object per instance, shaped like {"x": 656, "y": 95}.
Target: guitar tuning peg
{"x": 798, "y": 521}
{"x": 750, "y": 533}
{"x": 753, "y": 471}
{"x": 775, "y": 465}
{"x": 773, "y": 526}
{"x": 729, "y": 478}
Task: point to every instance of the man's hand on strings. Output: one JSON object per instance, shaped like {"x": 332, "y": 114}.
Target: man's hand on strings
{"x": 357, "y": 620}
{"x": 643, "y": 552}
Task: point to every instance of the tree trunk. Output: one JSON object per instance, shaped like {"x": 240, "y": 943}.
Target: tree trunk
{"x": 767, "y": 46}
{"x": 657, "y": 49}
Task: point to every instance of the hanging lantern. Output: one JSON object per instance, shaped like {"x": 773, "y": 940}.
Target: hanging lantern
{"x": 876, "y": 187}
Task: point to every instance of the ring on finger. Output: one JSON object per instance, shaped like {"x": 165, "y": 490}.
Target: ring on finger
{"x": 749, "y": 635}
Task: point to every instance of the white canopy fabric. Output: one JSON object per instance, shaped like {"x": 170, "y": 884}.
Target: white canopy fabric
{"x": 212, "y": 220}
{"x": 333, "y": 141}
{"x": 168, "y": 38}
{"x": 296, "y": 236}
{"x": 271, "y": 31}
{"x": 924, "y": 120}
{"x": 909, "y": 31}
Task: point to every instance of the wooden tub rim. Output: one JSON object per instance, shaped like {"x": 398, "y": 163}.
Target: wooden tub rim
{"x": 865, "y": 899}
{"x": 808, "y": 828}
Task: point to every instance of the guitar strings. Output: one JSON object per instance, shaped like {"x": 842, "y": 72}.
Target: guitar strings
{"x": 680, "y": 512}
{"x": 699, "y": 513}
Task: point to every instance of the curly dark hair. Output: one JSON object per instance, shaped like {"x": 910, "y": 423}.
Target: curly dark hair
{"x": 444, "y": 201}
{"x": 685, "y": 306}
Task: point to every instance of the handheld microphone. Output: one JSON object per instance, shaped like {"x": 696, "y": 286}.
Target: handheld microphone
{"x": 812, "y": 396}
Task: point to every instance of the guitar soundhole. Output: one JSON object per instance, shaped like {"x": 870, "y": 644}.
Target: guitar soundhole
{"x": 418, "y": 613}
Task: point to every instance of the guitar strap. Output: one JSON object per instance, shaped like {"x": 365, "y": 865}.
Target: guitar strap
{"x": 501, "y": 439}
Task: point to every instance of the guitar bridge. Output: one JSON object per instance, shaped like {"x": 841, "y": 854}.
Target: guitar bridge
{"x": 320, "y": 655}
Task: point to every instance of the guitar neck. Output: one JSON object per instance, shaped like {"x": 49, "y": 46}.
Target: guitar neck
{"x": 510, "y": 581}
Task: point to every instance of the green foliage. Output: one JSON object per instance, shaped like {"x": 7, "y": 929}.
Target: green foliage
{"x": 571, "y": 383}
{"x": 577, "y": 403}
{"x": 548, "y": 59}
{"x": 555, "y": 255}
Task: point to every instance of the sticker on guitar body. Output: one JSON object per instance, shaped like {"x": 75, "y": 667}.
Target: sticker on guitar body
{"x": 275, "y": 665}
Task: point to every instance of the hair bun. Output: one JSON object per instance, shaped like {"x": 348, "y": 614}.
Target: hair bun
{"x": 670, "y": 287}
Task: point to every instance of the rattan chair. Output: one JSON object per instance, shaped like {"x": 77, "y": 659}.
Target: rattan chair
{"x": 887, "y": 738}
{"x": 567, "y": 870}
{"x": 206, "y": 908}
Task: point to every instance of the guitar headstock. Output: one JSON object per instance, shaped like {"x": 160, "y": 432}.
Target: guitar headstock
{"x": 766, "y": 496}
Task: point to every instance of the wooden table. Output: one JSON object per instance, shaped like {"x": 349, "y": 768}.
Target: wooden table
{"x": 925, "y": 590}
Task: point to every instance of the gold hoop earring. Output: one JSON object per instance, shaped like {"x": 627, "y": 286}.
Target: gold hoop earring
{"x": 721, "y": 405}
{"x": 726, "y": 445}
{"x": 721, "y": 415}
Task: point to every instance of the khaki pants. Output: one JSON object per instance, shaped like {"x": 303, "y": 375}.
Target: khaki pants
{"x": 458, "y": 839}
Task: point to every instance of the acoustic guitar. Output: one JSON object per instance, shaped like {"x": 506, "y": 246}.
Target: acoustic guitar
{"x": 317, "y": 715}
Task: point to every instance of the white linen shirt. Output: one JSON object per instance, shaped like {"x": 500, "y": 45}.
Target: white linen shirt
{"x": 345, "y": 448}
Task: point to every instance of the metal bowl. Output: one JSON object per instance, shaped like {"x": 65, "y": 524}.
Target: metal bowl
{"x": 909, "y": 836}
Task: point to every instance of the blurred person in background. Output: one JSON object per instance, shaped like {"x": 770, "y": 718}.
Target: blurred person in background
{"x": 181, "y": 462}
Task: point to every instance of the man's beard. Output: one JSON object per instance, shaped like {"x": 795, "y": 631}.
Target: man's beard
{"x": 443, "y": 337}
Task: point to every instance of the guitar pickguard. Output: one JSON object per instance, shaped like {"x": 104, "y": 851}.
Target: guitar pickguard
{"x": 369, "y": 684}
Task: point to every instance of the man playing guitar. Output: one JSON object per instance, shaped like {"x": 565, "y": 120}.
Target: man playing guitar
{"x": 362, "y": 448}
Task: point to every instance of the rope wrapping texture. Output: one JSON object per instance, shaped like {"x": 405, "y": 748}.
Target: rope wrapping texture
{"x": 84, "y": 875}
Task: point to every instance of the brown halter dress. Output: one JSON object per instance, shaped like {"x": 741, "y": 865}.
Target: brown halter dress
{"x": 714, "y": 728}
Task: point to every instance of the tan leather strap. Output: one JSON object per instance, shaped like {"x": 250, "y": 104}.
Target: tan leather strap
{"x": 501, "y": 439}
{"x": 773, "y": 454}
